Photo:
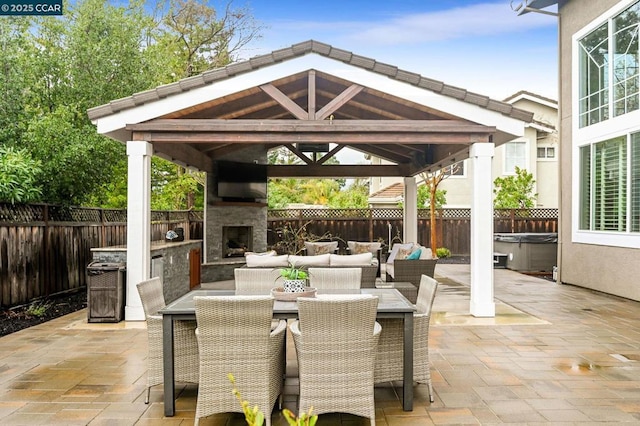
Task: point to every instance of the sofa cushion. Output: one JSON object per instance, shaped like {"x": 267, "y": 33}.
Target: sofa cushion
{"x": 317, "y": 260}
{"x": 257, "y": 261}
{"x": 320, "y": 247}
{"x": 358, "y": 247}
{"x": 264, "y": 253}
{"x": 362, "y": 259}
{"x": 394, "y": 251}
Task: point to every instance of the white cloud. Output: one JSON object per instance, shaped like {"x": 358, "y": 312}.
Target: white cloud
{"x": 484, "y": 19}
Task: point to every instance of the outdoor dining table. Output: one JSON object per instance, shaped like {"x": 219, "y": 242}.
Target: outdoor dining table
{"x": 391, "y": 304}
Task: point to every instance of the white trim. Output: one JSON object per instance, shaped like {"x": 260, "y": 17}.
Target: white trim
{"x": 532, "y": 98}
{"x": 542, "y": 128}
{"x": 111, "y": 124}
{"x": 604, "y": 130}
{"x": 614, "y": 239}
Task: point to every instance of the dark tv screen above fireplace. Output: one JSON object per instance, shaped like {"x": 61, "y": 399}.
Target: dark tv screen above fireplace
{"x": 242, "y": 181}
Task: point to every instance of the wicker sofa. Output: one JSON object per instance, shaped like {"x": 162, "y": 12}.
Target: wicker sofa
{"x": 366, "y": 261}
{"x": 398, "y": 268}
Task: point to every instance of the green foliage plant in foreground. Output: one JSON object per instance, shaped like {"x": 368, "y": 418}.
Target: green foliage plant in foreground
{"x": 255, "y": 417}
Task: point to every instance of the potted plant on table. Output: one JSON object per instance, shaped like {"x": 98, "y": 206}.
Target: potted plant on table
{"x": 295, "y": 278}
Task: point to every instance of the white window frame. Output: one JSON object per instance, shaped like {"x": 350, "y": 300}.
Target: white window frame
{"x": 546, "y": 153}
{"x": 598, "y": 132}
{"x": 525, "y": 166}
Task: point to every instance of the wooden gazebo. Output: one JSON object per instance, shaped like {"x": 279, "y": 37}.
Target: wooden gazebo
{"x": 313, "y": 93}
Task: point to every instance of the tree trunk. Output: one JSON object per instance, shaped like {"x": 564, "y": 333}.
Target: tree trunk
{"x": 432, "y": 217}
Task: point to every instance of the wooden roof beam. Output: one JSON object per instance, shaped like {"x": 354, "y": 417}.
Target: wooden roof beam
{"x": 335, "y": 171}
{"x": 285, "y": 138}
{"x": 338, "y": 101}
{"x": 298, "y": 126}
{"x": 285, "y": 101}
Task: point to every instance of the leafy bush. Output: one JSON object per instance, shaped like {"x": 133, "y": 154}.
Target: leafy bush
{"x": 38, "y": 308}
{"x": 443, "y": 252}
{"x": 18, "y": 171}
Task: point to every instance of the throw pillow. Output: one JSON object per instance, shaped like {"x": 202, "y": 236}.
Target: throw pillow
{"x": 415, "y": 255}
{"x": 362, "y": 248}
{"x": 394, "y": 251}
{"x": 426, "y": 253}
{"x": 403, "y": 253}
{"x": 324, "y": 248}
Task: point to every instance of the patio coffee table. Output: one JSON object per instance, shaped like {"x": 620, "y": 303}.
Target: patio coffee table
{"x": 391, "y": 304}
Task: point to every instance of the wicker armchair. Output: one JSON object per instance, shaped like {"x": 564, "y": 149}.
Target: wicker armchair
{"x": 412, "y": 270}
{"x": 186, "y": 345}
{"x": 234, "y": 336}
{"x": 256, "y": 279}
{"x": 390, "y": 347}
{"x": 335, "y": 341}
{"x": 350, "y": 278}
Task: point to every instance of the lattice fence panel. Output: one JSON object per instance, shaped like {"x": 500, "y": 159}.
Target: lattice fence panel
{"x": 21, "y": 213}
{"x": 114, "y": 216}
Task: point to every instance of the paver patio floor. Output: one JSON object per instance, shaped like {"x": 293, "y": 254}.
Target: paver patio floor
{"x": 554, "y": 354}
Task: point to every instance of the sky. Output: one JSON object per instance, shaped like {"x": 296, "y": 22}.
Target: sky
{"x": 480, "y": 46}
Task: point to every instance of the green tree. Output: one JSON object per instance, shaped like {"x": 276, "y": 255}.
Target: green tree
{"x": 424, "y": 197}
{"x": 515, "y": 192}
{"x": 282, "y": 192}
{"x": 75, "y": 160}
{"x": 172, "y": 186}
{"x": 17, "y": 176}
{"x": 193, "y": 37}
{"x": 14, "y": 84}
{"x": 354, "y": 196}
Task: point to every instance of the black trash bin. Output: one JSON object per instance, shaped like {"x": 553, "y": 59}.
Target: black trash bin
{"x": 105, "y": 292}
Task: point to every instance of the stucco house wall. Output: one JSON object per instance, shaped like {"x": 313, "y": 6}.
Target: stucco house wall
{"x": 608, "y": 268}
{"x": 545, "y": 171}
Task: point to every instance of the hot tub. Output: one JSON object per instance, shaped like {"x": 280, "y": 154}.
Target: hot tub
{"x": 528, "y": 252}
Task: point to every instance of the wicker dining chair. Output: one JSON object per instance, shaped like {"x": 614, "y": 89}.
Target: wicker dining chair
{"x": 185, "y": 347}
{"x": 335, "y": 339}
{"x": 390, "y": 348}
{"x": 234, "y": 336}
{"x": 256, "y": 279}
{"x": 349, "y": 278}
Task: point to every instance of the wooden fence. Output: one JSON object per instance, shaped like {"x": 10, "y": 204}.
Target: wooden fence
{"x": 454, "y": 227}
{"x": 45, "y": 249}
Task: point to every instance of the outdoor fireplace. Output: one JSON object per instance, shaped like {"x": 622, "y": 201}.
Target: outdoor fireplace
{"x": 237, "y": 240}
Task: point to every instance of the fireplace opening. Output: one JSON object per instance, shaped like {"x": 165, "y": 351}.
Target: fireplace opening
{"x": 237, "y": 240}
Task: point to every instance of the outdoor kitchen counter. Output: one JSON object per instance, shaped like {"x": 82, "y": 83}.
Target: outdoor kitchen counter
{"x": 169, "y": 260}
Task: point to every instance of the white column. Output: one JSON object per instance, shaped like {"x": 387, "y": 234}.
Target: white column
{"x": 138, "y": 224}
{"x": 410, "y": 214}
{"x": 482, "y": 304}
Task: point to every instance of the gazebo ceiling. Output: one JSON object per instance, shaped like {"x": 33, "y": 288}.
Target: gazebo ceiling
{"x": 312, "y": 106}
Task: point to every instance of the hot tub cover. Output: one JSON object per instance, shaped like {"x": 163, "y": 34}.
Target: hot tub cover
{"x": 527, "y": 237}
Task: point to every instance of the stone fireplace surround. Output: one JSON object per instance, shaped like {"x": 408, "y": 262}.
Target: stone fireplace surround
{"x": 220, "y": 213}
{"x": 219, "y": 216}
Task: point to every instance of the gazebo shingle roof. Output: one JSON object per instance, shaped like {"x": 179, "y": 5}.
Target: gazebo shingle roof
{"x": 301, "y": 49}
